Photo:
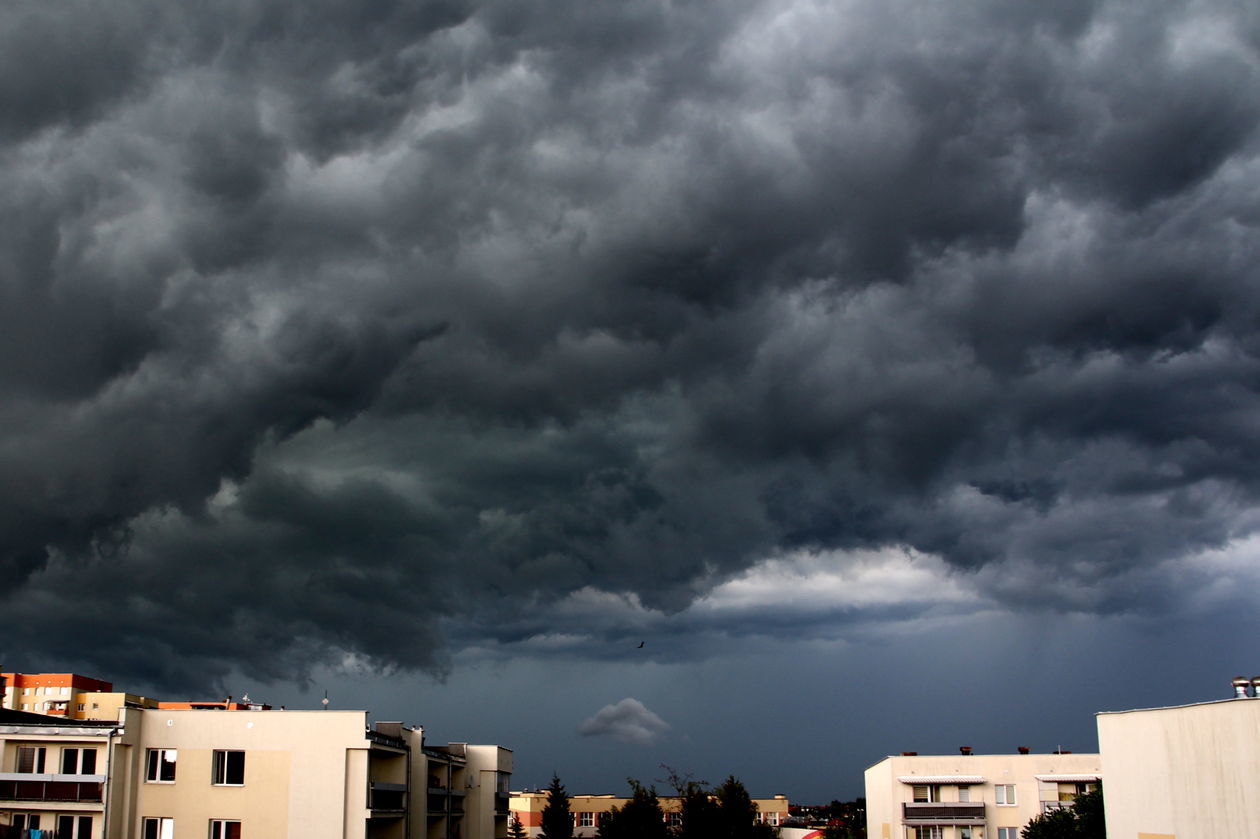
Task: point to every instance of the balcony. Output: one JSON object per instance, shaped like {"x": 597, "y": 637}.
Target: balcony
{"x": 502, "y": 804}
{"x": 943, "y": 812}
{"x": 16, "y": 786}
{"x": 387, "y": 798}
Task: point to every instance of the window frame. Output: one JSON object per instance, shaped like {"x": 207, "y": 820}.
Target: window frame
{"x": 164, "y": 827}
{"x": 221, "y": 768}
{"x": 38, "y": 760}
{"x": 153, "y": 769}
{"x": 999, "y": 794}
{"x": 931, "y": 793}
{"x": 221, "y": 829}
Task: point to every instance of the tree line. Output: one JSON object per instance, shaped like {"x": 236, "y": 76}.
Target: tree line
{"x": 723, "y": 812}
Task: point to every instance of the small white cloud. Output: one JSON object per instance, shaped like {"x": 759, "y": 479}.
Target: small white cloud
{"x": 628, "y": 721}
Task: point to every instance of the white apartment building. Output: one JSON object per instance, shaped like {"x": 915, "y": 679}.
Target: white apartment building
{"x": 193, "y": 774}
{"x": 1185, "y": 772}
{"x": 968, "y": 796}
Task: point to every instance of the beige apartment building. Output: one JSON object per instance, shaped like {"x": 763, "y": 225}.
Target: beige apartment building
{"x": 587, "y": 810}
{"x": 968, "y": 796}
{"x": 193, "y": 774}
{"x": 1187, "y": 772}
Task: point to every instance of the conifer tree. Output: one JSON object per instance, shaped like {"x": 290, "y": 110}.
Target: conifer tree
{"x": 557, "y": 819}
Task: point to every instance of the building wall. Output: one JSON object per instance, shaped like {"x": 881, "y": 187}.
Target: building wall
{"x": 306, "y": 772}
{"x": 885, "y": 794}
{"x": 54, "y": 738}
{"x": 1182, "y": 773}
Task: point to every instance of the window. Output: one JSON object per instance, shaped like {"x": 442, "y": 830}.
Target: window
{"x": 964, "y": 793}
{"x": 221, "y": 829}
{"x": 674, "y": 818}
{"x": 31, "y": 759}
{"x": 1005, "y": 794}
{"x": 78, "y": 761}
{"x": 25, "y": 821}
{"x": 927, "y": 793}
{"x": 82, "y": 707}
{"x": 26, "y": 691}
{"x": 1008, "y": 833}
{"x": 229, "y": 768}
{"x": 934, "y": 831}
{"x": 160, "y": 768}
{"x": 964, "y": 832}
{"x": 585, "y": 819}
{"x": 96, "y": 706}
{"x": 158, "y": 829}
{"x": 74, "y": 827}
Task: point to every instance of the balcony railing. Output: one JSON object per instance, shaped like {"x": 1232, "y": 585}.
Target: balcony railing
{"x": 384, "y": 797}
{"x": 958, "y": 812}
{"x": 43, "y": 788}
{"x": 502, "y": 803}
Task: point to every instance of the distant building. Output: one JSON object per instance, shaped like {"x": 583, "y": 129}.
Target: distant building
{"x": 1186, "y": 772}
{"x": 54, "y": 694}
{"x": 587, "y": 810}
{"x": 968, "y": 796}
{"x": 192, "y": 774}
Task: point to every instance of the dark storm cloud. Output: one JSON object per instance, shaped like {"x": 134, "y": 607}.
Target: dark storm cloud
{"x": 326, "y": 328}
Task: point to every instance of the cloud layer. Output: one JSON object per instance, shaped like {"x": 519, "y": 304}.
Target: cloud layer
{"x": 628, "y": 721}
{"x": 329, "y": 330}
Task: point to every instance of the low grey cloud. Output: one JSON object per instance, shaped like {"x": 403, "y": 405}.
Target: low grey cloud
{"x": 331, "y": 331}
{"x": 628, "y": 721}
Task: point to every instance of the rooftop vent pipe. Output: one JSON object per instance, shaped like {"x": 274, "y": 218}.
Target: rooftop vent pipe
{"x": 1022, "y": 749}
{"x": 1241, "y": 683}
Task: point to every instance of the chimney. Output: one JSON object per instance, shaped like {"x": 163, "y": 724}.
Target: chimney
{"x": 909, "y": 754}
{"x": 1022, "y": 749}
{"x": 966, "y": 750}
{"x": 1241, "y": 683}
{"x": 1255, "y": 686}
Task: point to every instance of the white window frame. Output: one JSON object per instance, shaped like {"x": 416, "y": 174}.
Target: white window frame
{"x": 585, "y": 818}
{"x": 80, "y": 826}
{"x": 1001, "y": 796}
{"x": 1008, "y": 833}
{"x": 157, "y": 827}
{"x": 931, "y": 793}
{"x": 220, "y": 768}
{"x": 219, "y": 828}
{"x": 154, "y": 762}
{"x": 39, "y": 758}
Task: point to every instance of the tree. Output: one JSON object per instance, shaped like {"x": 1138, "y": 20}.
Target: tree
{"x": 1083, "y": 820}
{"x": 846, "y": 820}
{"x": 640, "y": 818}
{"x": 557, "y": 820}
{"x": 516, "y": 830}
{"x": 737, "y": 814}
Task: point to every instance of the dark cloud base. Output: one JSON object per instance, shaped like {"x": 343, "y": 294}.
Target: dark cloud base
{"x": 323, "y": 327}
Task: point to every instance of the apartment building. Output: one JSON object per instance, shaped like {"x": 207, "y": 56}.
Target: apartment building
{"x": 68, "y": 696}
{"x": 967, "y": 796}
{"x": 587, "y": 810}
{"x": 192, "y": 774}
{"x": 54, "y": 774}
{"x": 1186, "y": 772}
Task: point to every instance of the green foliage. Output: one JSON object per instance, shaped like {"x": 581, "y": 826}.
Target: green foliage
{"x": 516, "y": 830}
{"x": 640, "y": 818}
{"x": 557, "y": 820}
{"x": 1083, "y": 820}
{"x": 846, "y": 820}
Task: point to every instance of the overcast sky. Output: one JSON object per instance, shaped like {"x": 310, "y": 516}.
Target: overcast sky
{"x": 889, "y": 369}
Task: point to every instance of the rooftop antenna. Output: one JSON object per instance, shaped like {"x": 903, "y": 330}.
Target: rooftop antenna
{"x": 324, "y": 701}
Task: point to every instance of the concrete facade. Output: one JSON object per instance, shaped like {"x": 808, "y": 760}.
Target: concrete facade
{"x": 968, "y": 796}
{"x": 1182, "y": 773}
{"x": 189, "y": 774}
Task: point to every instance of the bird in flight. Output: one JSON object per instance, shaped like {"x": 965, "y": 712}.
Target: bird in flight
{"x": 641, "y": 643}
